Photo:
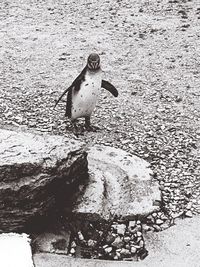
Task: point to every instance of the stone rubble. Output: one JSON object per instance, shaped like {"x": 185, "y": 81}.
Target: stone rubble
{"x": 124, "y": 241}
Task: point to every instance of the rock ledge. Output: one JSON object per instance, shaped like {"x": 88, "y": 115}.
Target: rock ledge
{"x": 120, "y": 184}
{"x": 35, "y": 173}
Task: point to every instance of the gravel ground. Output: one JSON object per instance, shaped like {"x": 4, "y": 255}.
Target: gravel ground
{"x": 150, "y": 51}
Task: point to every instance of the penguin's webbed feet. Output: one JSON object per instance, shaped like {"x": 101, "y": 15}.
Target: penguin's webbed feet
{"x": 89, "y": 127}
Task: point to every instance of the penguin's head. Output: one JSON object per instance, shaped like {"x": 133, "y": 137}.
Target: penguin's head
{"x": 93, "y": 61}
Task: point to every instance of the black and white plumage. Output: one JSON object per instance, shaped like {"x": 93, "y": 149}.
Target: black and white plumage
{"x": 83, "y": 93}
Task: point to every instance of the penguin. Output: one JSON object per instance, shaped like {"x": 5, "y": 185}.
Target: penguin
{"x": 84, "y": 91}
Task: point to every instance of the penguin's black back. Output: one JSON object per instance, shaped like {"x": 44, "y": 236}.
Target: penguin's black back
{"x": 76, "y": 87}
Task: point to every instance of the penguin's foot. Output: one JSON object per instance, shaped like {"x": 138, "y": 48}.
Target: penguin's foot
{"x": 91, "y": 128}
{"x": 88, "y": 126}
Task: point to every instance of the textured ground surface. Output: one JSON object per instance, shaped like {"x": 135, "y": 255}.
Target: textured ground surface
{"x": 168, "y": 248}
{"x": 149, "y": 51}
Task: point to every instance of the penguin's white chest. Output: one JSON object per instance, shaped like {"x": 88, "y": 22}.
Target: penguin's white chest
{"x": 84, "y": 100}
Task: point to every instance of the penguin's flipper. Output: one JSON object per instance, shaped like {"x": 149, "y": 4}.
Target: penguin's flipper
{"x": 108, "y": 86}
{"x": 76, "y": 84}
{"x": 67, "y": 90}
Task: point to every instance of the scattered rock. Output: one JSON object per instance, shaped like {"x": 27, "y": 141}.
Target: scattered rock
{"x": 108, "y": 250}
{"x": 72, "y": 251}
{"x": 110, "y": 238}
{"x": 73, "y": 244}
{"x": 189, "y": 214}
{"x": 159, "y": 221}
{"x": 92, "y": 243}
{"x": 131, "y": 225}
{"x": 127, "y": 239}
{"x": 121, "y": 229}
{"x": 80, "y": 236}
{"x": 118, "y": 242}
{"x": 125, "y": 252}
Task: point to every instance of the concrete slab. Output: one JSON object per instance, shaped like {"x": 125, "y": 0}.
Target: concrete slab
{"x": 15, "y": 250}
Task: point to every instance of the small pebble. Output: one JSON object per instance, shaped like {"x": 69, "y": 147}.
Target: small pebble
{"x": 127, "y": 246}
{"x": 133, "y": 250}
{"x": 189, "y": 206}
{"x": 156, "y": 228}
{"x": 141, "y": 243}
{"x": 189, "y": 214}
{"x": 72, "y": 251}
{"x": 118, "y": 254}
{"x": 163, "y": 217}
{"x": 125, "y": 251}
{"x": 121, "y": 228}
{"x": 146, "y": 228}
{"x": 108, "y": 250}
{"x": 139, "y": 234}
{"x": 118, "y": 242}
{"x": 127, "y": 239}
{"x": 73, "y": 244}
{"x": 110, "y": 238}
{"x": 131, "y": 224}
{"x": 91, "y": 243}
{"x": 159, "y": 221}
{"x": 80, "y": 236}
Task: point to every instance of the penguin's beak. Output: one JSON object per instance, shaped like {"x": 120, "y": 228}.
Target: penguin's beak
{"x": 93, "y": 65}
